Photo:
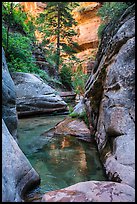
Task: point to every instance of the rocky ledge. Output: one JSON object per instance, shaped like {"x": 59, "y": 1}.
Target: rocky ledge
{"x": 34, "y": 96}
{"x": 71, "y": 126}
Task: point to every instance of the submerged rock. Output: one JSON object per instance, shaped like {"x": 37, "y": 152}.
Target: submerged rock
{"x": 17, "y": 173}
{"x": 73, "y": 127}
{"x": 34, "y": 96}
{"x": 9, "y": 113}
{"x": 92, "y": 191}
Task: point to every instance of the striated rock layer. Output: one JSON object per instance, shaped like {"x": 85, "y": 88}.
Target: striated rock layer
{"x": 111, "y": 91}
{"x": 87, "y": 29}
{"x": 34, "y": 96}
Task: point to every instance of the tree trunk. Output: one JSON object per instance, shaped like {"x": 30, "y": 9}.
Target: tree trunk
{"x": 58, "y": 40}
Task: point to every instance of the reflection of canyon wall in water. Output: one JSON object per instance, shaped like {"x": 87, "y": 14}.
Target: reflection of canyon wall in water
{"x": 87, "y": 28}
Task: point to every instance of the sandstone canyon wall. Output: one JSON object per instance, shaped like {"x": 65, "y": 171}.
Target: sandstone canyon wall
{"x": 87, "y": 38}
{"x": 87, "y": 28}
{"x": 111, "y": 91}
{"x": 17, "y": 173}
{"x": 110, "y": 100}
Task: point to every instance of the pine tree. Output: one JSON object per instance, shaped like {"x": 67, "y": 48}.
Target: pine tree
{"x": 57, "y": 21}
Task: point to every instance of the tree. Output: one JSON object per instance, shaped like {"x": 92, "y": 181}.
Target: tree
{"x": 8, "y": 9}
{"x": 57, "y": 21}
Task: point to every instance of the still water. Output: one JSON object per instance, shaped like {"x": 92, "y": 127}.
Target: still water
{"x": 60, "y": 161}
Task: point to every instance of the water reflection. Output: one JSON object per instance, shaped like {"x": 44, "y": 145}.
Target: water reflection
{"x": 61, "y": 161}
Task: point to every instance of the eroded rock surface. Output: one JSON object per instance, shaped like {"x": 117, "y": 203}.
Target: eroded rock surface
{"x": 34, "y": 96}
{"x": 9, "y": 114}
{"x": 111, "y": 91}
{"x": 17, "y": 172}
{"x": 92, "y": 191}
{"x": 70, "y": 126}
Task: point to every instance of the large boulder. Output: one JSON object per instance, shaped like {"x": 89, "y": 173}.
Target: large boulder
{"x": 71, "y": 126}
{"x": 92, "y": 191}
{"x": 34, "y": 96}
{"x": 111, "y": 91}
{"x": 17, "y": 173}
{"x": 9, "y": 114}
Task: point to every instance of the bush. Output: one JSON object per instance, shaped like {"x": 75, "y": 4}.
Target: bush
{"x": 100, "y": 29}
{"x": 17, "y": 19}
{"x": 82, "y": 116}
{"x": 66, "y": 75}
{"x": 79, "y": 79}
{"x": 110, "y": 11}
{"x": 19, "y": 52}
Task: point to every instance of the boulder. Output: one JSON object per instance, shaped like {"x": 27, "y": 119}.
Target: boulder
{"x": 92, "y": 191}
{"x": 111, "y": 91}
{"x": 80, "y": 107}
{"x": 73, "y": 127}
{"x": 34, "y": 96}
{"x": 17, "y": 173}
{"x": 9, "y": 114}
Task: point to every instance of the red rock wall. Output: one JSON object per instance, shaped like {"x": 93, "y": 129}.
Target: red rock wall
{"x": 87, "y": 28}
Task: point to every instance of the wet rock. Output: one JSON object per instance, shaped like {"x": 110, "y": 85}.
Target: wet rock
{"x": 92, "y": 191}
{"x": 34, "y": 96}
{"x": 73, "y": 127}
{"x": 17, "y": 173}
{"x": 111, "y": 91}
{"x": 9, "y": 114}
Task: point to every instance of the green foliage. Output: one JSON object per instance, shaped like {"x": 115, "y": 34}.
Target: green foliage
{"x": 19, "y": 55}
{"x": 79, "y": 79}
{"x": 82, "y": 116}
{"x": 66, "y": 75}
{"x": 70, "y": 108}
{"x": 110, "y": 11}
{"x": 14, "y": 17}
{"x": 100, "y": 29}
{"x": 56, "y": 22}
{"x": 19, "y": 48}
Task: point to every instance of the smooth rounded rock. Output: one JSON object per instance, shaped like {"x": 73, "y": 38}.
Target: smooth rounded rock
{"x": 92, "y": 191}
{"x": 34, "y": 96}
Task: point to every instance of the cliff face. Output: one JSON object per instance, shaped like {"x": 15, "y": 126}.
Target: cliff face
{"x": 17, "y": 173}
{"x": 87, "y": 28}
{"x": 88, "y": 23}
{"x": 111, "y": 91}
